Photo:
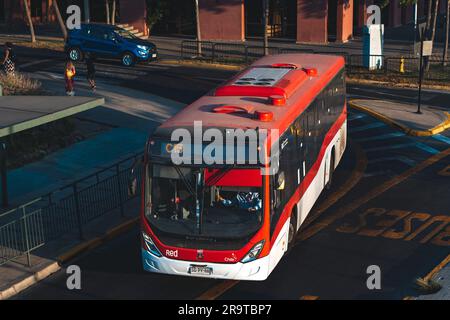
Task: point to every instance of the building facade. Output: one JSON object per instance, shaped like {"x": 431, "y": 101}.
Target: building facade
{"x": 302, "y": 21}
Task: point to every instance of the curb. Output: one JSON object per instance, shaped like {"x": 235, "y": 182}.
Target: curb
{"x": 409, "y": 131}
{"x": 72, "y": 253}
{"x": 29, "y": 281}
{"x": 198, "y": 64}
{"x": 94, "y": 243}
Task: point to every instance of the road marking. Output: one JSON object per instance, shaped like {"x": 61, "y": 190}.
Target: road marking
{"x": 382, "y": 137}
{"x": 445, "y": 172}
{"x": 403, "y": 159}
{"x": 441, "y": 138}
{"x": 353, "y": 179}
{"x": 309, "y": 298}
{"x": 419, "y": 145}
{"x": 438, "y": 268}
{"x": 377, "y": 191}
{"x": 399, "y": 225}
{"x": 357, "y": 116}
{"x": 32, "y": 63}
{"x": 368, "y": 126}
{"x": 426, "y": 148}
{"x": 217, "y": 290}
{"x": 390, "y": 147}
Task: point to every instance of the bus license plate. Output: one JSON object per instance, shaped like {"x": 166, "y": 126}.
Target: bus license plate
{"x": 204, "y": 270}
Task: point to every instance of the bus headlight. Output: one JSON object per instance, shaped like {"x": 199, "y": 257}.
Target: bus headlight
{"x": 150, "y": 245}
{"x": 253, "y": 254}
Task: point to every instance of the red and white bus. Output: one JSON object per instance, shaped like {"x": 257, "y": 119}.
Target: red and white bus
{"x": 187, "y": 228}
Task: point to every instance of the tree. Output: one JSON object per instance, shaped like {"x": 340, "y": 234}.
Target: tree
{"x": 107, "y": 11}
{"x": 156, "y": 9}
{"x": 266, "y": 23}
{"x": 30, "y": 21}
{"x": 60, "y": 19}
{"x": 199, "y": 36}
{"x": 447, "y": 30}
{"x": 113, "y": 12}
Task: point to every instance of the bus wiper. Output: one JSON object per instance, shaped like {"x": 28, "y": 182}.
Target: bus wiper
{"x": 185, "y": 181}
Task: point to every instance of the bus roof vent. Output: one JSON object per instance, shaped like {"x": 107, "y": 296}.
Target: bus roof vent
{"x": 230, "y": 109}
{"x": 265, "y": 116}
{"x": 279, "y": 79}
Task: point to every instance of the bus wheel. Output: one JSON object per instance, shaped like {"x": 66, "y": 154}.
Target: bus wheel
{"x": 292, "y": 230}
{"x": 330, "y": 178}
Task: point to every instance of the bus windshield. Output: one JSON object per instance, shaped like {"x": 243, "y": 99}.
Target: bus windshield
{"x": 216, "y": 203}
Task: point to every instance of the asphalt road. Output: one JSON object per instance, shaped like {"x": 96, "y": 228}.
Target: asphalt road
{"x": 395, "y": 216}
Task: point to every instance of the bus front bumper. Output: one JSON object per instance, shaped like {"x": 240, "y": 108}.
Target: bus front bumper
{"x": 255, "y": 270}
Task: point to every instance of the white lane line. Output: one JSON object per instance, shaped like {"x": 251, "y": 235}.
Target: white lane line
{"x": 33, "y": 63}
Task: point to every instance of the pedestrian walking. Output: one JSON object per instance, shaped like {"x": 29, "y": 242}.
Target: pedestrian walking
{"x": 9, "y": 59}
{"x": 69, "y": 76}
{"x": 90, "y": 65}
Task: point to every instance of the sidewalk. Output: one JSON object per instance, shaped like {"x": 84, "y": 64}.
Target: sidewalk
{"x": 443, "y": 279}
{"x": 17, "y": 276}
{"x": 131, "y": 114}
{"x": 403, "y": 116}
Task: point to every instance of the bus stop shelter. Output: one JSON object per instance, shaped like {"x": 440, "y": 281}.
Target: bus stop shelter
{"x": 19, "y": 113}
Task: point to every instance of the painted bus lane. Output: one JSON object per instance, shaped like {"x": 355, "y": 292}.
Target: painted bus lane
{"x": 401, "y": 226}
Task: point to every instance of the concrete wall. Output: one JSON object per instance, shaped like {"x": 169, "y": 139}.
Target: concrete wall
{"x": 344, "y": 20}
{"x": 312, "y": 21}
{"x": 222, "y": 19}
{"x": 133, "y": 12}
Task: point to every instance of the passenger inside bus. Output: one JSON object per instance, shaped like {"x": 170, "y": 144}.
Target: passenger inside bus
{"x": 249, "y": 201}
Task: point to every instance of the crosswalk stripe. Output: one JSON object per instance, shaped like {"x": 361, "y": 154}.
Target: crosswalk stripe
{"x": 368, "y": 126}
{"x": 442, "y": 138}
{"x": 426, "y": 148}
{"x": 382, "y": 137}
{"x": 405, "y": 160}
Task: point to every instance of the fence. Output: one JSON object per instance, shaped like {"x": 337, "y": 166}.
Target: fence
{"x": 30, "y": 226}
{"x": 356, "y": 64}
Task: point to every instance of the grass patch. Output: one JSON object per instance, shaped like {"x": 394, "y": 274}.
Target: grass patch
{"x": 19, "y": 84}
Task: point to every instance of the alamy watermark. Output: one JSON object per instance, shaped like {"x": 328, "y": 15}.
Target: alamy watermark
{"x": 230, "y": 146}
{"x": 73, "y": 281}
{"x": 73, "y": 17}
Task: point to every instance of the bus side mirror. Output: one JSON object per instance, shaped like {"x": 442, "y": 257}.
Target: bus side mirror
{"x": 132, "y": 178}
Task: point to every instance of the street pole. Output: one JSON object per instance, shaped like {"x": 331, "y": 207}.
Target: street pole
{"x": 420, "y": 71}
{"x": 199, "y": 35}
{"x": 87, "y": 13}
{"x": 415, "y": 21}
{"x": 266, "y": 23}
{"x": 3, "y": 173}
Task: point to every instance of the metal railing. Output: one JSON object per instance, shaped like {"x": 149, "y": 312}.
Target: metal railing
{"x": 241, "y": 53}
{"x": 32, "y": 225}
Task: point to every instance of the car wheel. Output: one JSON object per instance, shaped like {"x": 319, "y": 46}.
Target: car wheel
{"x": 128, "y": 59}
{"x": 75, "y": 54}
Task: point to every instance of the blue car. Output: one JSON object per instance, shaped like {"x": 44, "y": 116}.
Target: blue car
{"x": 109, "y": 41}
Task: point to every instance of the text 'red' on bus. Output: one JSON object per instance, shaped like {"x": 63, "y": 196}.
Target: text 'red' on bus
{"x": 231, "y": 221}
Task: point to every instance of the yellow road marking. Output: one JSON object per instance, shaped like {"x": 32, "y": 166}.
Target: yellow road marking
{"x": 309, "y": 298}
{"x": 377, "y": 191}
{"x": 354, "y": 178}
{"x": 218, "y": 290}
{"x": 445, "y": 172}
{"x": 438, "y": 268}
